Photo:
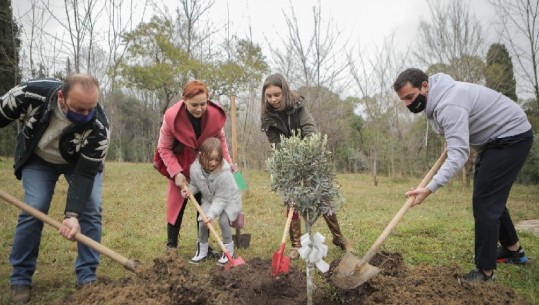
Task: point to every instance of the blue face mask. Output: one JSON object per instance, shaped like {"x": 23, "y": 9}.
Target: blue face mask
{"x": 79, "y": 118}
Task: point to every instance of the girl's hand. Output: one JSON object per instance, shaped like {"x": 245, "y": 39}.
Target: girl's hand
{"x": 233, "y": 167}
{"x": 185, "y": 192}
{"x": 208, "y": 220}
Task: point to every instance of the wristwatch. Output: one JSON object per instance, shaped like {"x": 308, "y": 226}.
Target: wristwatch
{"x": 71, "y": 214}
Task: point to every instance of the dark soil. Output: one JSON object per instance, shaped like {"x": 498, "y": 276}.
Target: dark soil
{"x": 169, "y": 281}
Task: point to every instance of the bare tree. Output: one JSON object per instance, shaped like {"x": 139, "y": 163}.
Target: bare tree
{"x": 519, "y": 27}
{"x": 120, "y": 15}
{"x": 78, "y": 21}
{"x": 452, "y": 39}
{"x": 372, "y": 70}
{"x": 310, "y": 61}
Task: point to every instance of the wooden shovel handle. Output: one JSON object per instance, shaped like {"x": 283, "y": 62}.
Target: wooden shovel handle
{"x": 127, "y": 263}
{"x": 287, "y": 225}
{"x": 208, "y": 224}
{"x": 372, "y": 251}
{"x": 233, "y": 127}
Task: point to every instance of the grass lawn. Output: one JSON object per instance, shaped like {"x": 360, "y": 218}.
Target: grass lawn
{"x": 438, "y": 232}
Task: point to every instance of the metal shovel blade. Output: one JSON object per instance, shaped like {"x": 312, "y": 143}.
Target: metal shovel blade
{"x": 351, "y": 272}
{"x": 242, "y": 241}
{"x": 280, "y": 263}
{"x": 233, "y": 262}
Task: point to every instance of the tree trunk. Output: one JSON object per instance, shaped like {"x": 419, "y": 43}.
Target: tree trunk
{"x": 310, "y": 286}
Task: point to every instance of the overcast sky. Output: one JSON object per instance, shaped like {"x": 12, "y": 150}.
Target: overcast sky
{"x": 367, "y": 22}
{"x": 358, "y": 20}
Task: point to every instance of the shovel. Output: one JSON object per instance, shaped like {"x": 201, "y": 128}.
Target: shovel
{"x": 237, "y": 175}
{"x": 351, "y": 271}
{"x": 280, "y": 263}
{"x": 127, "y": 263}
{"x": 232, "y": 262}
{"x": 240, "y": 240}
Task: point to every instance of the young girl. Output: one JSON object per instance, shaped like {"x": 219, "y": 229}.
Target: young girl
{"x": 283, "y": 111}
{"x": 221, "y": 198}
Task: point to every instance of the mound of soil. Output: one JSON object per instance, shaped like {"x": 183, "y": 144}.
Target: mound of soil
{"x": 169, "y": 281}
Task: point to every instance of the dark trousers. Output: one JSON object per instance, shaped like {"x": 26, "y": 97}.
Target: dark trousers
{"x": 173, "y": 231}
{"x": 496, "y": 168}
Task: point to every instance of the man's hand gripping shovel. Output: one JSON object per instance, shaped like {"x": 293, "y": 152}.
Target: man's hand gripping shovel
{"x": 351, "y": 271}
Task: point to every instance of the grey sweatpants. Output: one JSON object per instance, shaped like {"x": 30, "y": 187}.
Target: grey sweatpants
{"x": 224, "y": 223}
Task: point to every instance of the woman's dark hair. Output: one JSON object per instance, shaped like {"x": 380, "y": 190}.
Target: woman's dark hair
{"x": 415, "y": 76}
{"x": 289, "y": 97}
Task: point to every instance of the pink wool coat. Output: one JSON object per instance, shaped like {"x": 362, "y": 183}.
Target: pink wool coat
{"x": 179, "y": 155}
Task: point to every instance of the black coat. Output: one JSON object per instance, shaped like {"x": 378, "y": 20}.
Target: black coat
{"x": 276, "y": 123}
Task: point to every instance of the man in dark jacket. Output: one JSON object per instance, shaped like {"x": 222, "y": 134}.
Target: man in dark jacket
{"x": 64, "y": 132}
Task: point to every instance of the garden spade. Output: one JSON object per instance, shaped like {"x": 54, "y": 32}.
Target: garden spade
{"x": 280, "y": 263}
{"x": 351, "y": 271}
{"x": 232, "y": 262}
{"x": 240, "y": 240}
{"x": 127, "y": 263}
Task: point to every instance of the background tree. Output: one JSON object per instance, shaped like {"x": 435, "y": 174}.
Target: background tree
{"x": 9, "y": 68}
{"x": 451, "y": 38}
{"x": 499, "y": 71}
{"x": 519, "y": 28}
{"x": 373, "y": 69}
{"x": 154, "y": 63}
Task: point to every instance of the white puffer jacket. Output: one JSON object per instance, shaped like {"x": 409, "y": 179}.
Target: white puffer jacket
{"x": 219, "y": 191}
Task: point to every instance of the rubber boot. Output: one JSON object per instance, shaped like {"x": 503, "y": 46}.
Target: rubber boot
{"x": 173, "y": 234}
{"x": 338, "y": 238}
{"x": 295, "y": 237}
{"x": 201, "y": 254}
{"x": 230, "y": 248}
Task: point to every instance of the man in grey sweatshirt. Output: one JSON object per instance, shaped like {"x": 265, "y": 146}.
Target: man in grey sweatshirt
{"x": 470, "y": 115}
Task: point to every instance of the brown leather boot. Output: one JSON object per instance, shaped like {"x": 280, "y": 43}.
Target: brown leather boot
{"x": 295, "y": 238}
{"x": 338, "y": 238}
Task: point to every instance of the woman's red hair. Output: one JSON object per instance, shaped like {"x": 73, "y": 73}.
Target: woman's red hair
{"x": 194, "y": 88}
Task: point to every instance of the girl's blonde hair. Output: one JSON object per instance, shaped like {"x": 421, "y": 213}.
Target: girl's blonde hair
{"x": 207, "y": 148}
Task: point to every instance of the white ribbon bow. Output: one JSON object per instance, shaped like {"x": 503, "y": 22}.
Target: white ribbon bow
{"x": 314, "y": 251}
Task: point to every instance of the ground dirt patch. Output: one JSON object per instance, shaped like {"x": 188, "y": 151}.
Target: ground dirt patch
{"x": 168, "y": 281}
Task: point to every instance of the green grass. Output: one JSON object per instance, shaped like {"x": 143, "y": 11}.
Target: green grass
{"x": 438, "y": 232}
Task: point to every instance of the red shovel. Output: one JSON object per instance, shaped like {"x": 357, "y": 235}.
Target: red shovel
{"x": 232, "y": 262}
{"x": 280, "y": 263}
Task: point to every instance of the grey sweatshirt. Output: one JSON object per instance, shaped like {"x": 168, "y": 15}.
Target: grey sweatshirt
{"x": 468, "y": 115}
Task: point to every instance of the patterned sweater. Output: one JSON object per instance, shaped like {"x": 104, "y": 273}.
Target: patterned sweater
{"x": 84, "y": 147}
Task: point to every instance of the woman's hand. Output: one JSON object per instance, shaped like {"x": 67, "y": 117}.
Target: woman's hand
{"x": 179, "y": 180}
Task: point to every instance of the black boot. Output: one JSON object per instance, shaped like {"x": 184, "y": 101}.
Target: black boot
{"x": 173, "y": 233}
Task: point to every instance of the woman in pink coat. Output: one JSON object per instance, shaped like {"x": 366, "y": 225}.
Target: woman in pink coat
{"x": 185, "y": 126}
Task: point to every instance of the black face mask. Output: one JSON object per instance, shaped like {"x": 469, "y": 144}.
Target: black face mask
{"x": 418, "y": 104}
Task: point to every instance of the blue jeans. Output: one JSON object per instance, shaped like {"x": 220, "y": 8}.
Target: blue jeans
{"x": 39, "y": 180}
